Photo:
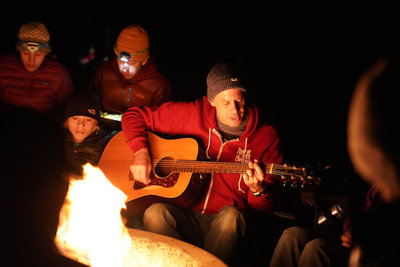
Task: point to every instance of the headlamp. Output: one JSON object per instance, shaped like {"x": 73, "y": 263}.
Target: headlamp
{"x": 33, "y": 46}
{"x": 124, "y": 56}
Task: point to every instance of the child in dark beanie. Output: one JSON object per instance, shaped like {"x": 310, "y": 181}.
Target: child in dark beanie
{"x": 85, "y": 140}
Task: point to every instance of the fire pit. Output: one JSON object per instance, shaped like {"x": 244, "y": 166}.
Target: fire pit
{"x": 150, "y": 249}
{"x": 165, "y": 251}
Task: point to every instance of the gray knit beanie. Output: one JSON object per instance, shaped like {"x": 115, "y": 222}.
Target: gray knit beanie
{"x": 222, "y": 77}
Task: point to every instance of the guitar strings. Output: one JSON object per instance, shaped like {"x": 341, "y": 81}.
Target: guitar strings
{"x": 168, "y": 165}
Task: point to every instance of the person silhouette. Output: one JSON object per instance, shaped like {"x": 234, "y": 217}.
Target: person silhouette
{"x": 35, "y": 183}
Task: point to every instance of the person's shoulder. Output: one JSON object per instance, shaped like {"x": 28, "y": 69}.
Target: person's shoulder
{"x": 185, "y": 106}
{"x": 8, "y": 57}
{"x": 267, "y": 128}
{"x": 151, "y": 71}
{"x": 53, "y": 62}
{"x": 54, "y": 66}
{"x": 199, "y": 102}
{"x": 157, "y": 80}
{"x": 9, "y": 60}
{"x": 160, "y": 77}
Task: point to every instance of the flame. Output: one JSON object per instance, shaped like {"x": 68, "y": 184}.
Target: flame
{"x": 91, "y": 229}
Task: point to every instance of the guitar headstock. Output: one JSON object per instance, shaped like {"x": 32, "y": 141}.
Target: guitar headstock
{"x": 293, "y": 175}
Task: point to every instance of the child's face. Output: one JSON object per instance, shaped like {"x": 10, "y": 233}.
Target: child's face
{"x": 81, "y": 127}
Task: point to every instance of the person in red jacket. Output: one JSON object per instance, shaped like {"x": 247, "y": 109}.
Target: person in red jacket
{"x": 131, "y": 78}
{"x": 230, "y": 130}
{"x": 32, "y": 79}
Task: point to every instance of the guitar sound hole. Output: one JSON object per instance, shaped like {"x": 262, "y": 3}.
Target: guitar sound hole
{"x": 164, "y": 167}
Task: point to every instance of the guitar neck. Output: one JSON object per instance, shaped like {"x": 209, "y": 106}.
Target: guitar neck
{"x": 192, "y": 166}
{"x": 167, "y": 166}
{"x": 209, "y": 167}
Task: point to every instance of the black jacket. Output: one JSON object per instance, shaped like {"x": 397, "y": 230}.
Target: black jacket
{"x": 90, "y": 150}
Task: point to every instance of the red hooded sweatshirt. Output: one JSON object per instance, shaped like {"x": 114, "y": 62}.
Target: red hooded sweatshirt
{"x": 198, "y": 119}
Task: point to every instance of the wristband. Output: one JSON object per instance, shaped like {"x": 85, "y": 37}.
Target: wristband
{"x": 259, "y": 193}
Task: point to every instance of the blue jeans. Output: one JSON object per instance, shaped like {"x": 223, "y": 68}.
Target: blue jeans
{"x": 218, "y": 234}
{"x": 299, "y": 246}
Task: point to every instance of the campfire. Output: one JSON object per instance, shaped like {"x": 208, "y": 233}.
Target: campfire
{"x": 91, "y": 230}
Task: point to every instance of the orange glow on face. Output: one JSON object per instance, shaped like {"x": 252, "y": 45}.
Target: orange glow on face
{"x": 81, "y": 127}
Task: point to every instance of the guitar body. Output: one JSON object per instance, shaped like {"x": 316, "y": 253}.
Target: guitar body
{"x": 179, "y": 188}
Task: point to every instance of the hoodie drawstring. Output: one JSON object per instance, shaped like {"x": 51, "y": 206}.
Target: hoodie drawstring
{"x": 209, "y": 143}
{"x": 241, "y": 175}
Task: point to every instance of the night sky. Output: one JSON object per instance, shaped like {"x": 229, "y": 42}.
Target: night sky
{"x": 302, "y": 61}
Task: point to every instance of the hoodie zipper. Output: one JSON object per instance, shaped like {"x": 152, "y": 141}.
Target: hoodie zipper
{"x": 219, "y": 155}
{"x": 128, "y": 97}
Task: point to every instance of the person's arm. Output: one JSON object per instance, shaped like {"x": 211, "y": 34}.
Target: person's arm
{"x": 135, "y": 126}
{"x": 141, "y": 166}
{"x": 171, "y": 118}
{"x": 135, "y": 123}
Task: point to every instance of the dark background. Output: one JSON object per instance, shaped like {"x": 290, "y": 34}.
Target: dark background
{"x": 302, "y": 60}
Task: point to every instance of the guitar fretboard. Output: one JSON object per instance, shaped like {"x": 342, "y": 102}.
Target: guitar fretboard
{"x": 209, "y": 167}
{"x": 192, "y": 166}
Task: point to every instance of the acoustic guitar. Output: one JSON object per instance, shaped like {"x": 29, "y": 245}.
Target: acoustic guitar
{"x": 177, "y": 175}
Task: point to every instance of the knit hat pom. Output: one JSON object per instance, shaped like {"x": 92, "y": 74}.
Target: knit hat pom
{"x": 222, "y": 77}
